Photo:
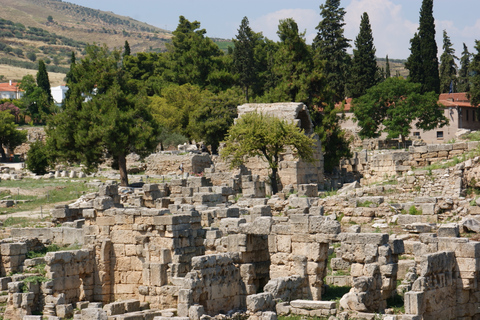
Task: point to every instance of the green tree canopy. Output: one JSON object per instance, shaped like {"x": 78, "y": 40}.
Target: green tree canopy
{"x": 464, "y": 72}
{"x": 387, "y": 68}
{"x": 474, "y": 92}
{"x": 210, "y": 121}
{"x": 448, "y": 67}
{"x": 423, "y": 61}
{"x": 34, "y": 101}
{"x": 191, "y": 55}
{"x": 267, "y": 137}
{"x": 104, "y": 115}
{"x": 393, "y": 106}
{"x": 364, "y": 72}
{"x": 10, "y": 137}
{"x": 330, "y": 45}
{"x": 43, "y": 82}
{"x": 297, "y": 79}
{"x": 244, "y": 56}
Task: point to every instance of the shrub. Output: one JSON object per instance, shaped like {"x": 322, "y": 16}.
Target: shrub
{"x": 37, "y": 158}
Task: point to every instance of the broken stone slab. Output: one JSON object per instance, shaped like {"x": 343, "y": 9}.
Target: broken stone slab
{"x": 418, "y": 227}
{"x": 312, "y": 305}
{"x": 349, "y": 187}
{"x": 471, "y": 224}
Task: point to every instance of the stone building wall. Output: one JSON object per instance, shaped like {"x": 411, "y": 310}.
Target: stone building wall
{"x": 376, "y": 165}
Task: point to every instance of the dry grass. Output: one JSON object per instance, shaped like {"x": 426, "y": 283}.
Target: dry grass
{"x": 16, "y": 73}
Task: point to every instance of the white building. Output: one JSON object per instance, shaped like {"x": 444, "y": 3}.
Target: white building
{"x": 58, "y": 94}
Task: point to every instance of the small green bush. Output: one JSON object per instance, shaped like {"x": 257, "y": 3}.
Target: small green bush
{"x": 414, "y": 211}
{"x": 37, "y": 158}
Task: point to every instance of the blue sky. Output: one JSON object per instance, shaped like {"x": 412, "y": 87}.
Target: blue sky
{"x": 393, "y": 21}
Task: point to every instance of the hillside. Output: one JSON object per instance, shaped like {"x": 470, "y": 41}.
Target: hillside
{"x": 51, "y": 29}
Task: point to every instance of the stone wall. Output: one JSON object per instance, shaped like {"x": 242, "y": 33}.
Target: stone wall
{"x": 372, "y": 260}
{"x": 167, "y": 163}
{"x": 376, "y": 165}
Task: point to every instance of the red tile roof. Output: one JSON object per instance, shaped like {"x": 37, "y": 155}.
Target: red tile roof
{"x": 459, "y": 99}
{"x": 7, "y": 87}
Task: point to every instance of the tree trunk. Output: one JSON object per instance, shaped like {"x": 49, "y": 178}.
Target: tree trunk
{"x": 273, "y": 181}
{"x": 122, "y": 167}
{"x": 2, "y": 152}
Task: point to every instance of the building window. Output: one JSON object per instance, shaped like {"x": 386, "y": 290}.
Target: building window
{"x": 416, "y": 134}
{"x": 439, "y": 135}
{"x": 467, "y": 111}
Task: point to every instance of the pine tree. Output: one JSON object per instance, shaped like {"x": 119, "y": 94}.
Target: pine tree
{"x": 243, "y": 56}
{"x": 331, "y": 46}
{"x": 463, "y": 73}
{"x": 474, "y": 92}
{"x": 42, "y": 80}
{"x": 387, "y": 68}
{"x": 448, "y": 67}
{"x": 423, "y": 61}
{"x": 364, "y": 72}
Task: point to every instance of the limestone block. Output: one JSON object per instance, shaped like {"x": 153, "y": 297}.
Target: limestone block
{"x": 262, "y": 211}
{"x": 321, "y": 224}
{"x": 64, "y": 310}
{"x": 339, "y": 264}
{"x": 13, "y": 249}
{"x": 231, "y": 212}
{"x": 114, "y": 308}
{"x": 284, "y": 243}
{"x": 260, "y": 302}
{"x": 449, "y": 230}
{"x": 261, "y": 226}
{"x": 316, "y": 210}
{"x": 364, "y": 238}
{"x": 195, "y": 312}
{"x": 60, "y": 212}
{"x": 103, "y": 203}
{"x": 414, "y": 303}
{"x": 397, "y": 246}
{"x": 299, "y": 202}
{"x": 312, "y": 305}
{"x": 307, "y": 190}
{"x": 94, "y": 314}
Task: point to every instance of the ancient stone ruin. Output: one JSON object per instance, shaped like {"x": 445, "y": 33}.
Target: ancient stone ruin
{"x": 399, "y": 245}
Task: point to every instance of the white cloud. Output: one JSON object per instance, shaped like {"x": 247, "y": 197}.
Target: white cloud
{"x": 391, "y": 31}
{"x": 306, "y": 19}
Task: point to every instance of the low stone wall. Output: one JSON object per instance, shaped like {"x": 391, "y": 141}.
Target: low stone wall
{"x": 61, "y": 235}
{"x": 168, "y": 163}
{"x": 376, "y": 165}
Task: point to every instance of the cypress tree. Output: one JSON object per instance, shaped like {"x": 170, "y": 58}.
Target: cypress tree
{"x": 243, "y": 56}
{"x": 448, "y": 67}
{"x": 364, "y": 72}
{"x": 126, "y": 49}
{"x": 414, "y": 62}
{"x": 331, "y": 46}
{"x": 42, "y": 80}
{"x": 463, "y": 73}
{"x": 387, "y": 68}
{"x": 427, "y": 74}
{"x": 474, "y": 92}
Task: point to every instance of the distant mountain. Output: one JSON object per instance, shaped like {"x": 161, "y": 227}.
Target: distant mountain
{"x": 31, "y": 30}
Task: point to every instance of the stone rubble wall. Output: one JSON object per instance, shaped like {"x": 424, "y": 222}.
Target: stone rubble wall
{"x": 376, "y": 165}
